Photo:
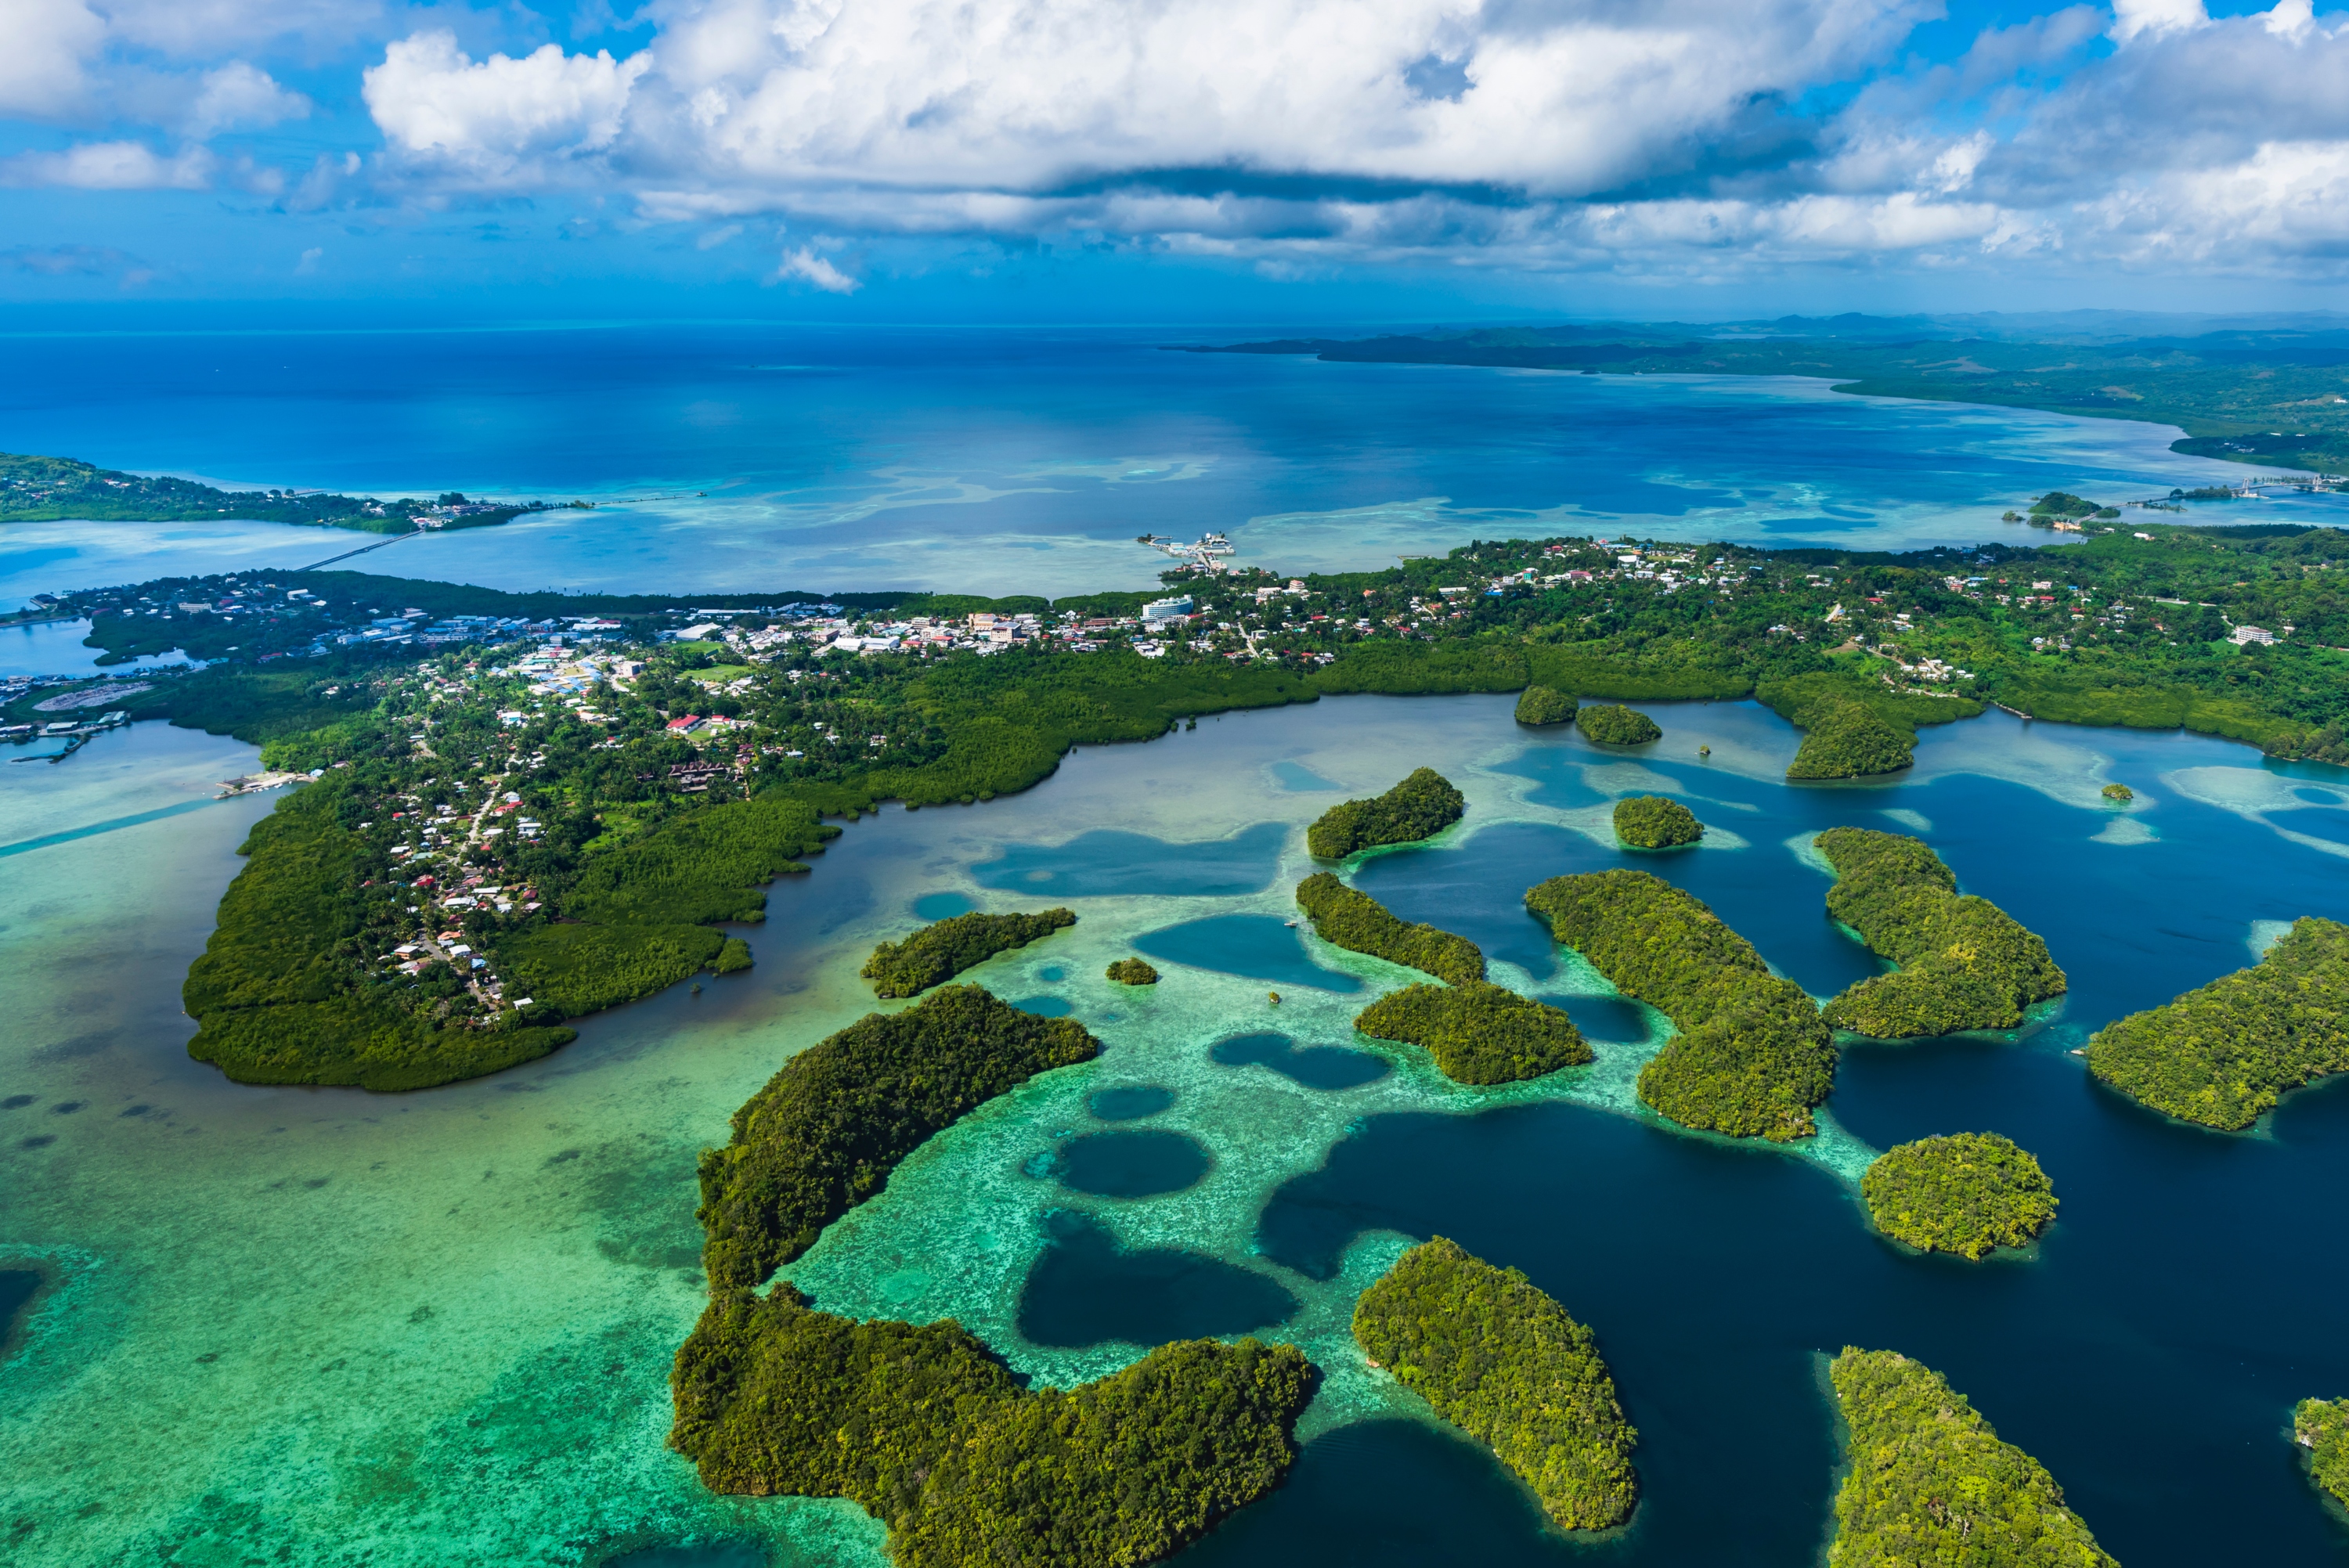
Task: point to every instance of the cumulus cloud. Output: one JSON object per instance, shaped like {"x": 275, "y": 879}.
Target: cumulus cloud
{"x": 1563, "y": 100}
{"x": 44, "y": 46}
{"x": 2134, "y": 17}
{"x": 237, "y": 97}
{"x": 1670, "y": 137}
{"x": 111, "y": 166}
{"x": 803, "y": 265}
{"x": 499, "y": 121}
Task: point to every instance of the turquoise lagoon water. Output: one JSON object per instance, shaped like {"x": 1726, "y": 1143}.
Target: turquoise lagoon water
{"x": 434, "y": 1329}
{"x": 741, "y": 456}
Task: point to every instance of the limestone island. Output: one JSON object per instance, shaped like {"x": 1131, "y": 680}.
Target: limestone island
{"x": 1134, "y": 972}
{"x": 1930, "y": 1480}
{"x": 1539, "y": 705}
{"x": 1965, "y": 964}
{"x": 944, "y": 949}
{"x": 2222, "y": 1054}
{"x": 1360, "y": 924}
{"x": 1421, "y": 807}
{"x": 1612, "y": 724}
{"x": 2321, "y": 1427}
{"x": 1503, "y": 1362}
{"x": 1965, "y": 1192}
{"x": 2119, "y": 794}
{"x": 1477, "y": 1031}
{"x": 827, "y": 1129}
{"x": 1752, "y": 1055}
{"x": 1842, "y": 739}
{"x": 1655, "y": 822}
{"x": 924, "y": 1426}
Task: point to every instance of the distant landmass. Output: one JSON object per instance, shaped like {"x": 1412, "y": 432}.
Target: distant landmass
{"x": 50, "y": 489}
{"x": 2272, "y": 395}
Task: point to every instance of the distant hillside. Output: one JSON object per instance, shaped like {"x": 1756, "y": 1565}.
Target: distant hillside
{"x": 44, "y": 489}
{"x": 2275, "y": 397}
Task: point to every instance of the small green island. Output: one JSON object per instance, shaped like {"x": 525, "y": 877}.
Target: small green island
{"x": 1134, "y": 972}
{"x": 1965, "y": 964}
{"x": 1752, "y": 1056}
{"x": 2119, "y": 794}
{"x": 2223, "y": 1054}
{"x": 824, "y": 1133}
{"x": 2321, "y": 1427}
{"x": 944, "y": 949}
{"x": 1844, "y": 739}
{"x": 1655, "y": 822}
{"x": 1930, "y": 1482}
{"x": 1478, "y": 1033}
{"x": 1358, "y": 922}
{"x": 1965, "y": 1192}
{"x": 1421, "y": 807}
{"x": 925, "y": 1427}
{"x": 1503, "y": 1361}
{"x": 1540, "y": 705}
{"x": 1612, "y": 724}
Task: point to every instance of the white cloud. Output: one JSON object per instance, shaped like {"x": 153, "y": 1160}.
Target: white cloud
{"x": 111, "y": 166}
{"x": 1575, "y": 97}
{"x": 43, "y": 45}
{"x": 500, "y": 119}
{"x": 237, "y": 97}
{"x": 2134, "y": 17}
{"x": 805, "y": 266}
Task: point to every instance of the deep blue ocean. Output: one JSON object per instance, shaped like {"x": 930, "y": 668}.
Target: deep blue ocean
{"x": 745, "y": 456}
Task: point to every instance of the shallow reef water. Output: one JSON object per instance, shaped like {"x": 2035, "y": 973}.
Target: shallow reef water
{"x": 435, "y": 1329}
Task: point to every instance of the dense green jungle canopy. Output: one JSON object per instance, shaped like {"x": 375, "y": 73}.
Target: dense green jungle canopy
{"x": 1967, "y": 1192}
{"x": 2222, "y": 1054}
{"x": 1478, "y": 1033}
{"x": 1752, "y": 1056}
{"x": 1360, "y": 924}
{"x": 1505, "y": 1363}
{"x": 1421, "y": 807}
{"x": 1931, "y": 1482}
{"x": 944, "y": 949}
{"x": 1965, "y": 964}
{"x": 1654, "y": 823}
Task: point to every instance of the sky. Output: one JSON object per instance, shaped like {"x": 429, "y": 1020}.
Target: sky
{"x": 1175, "y": 160}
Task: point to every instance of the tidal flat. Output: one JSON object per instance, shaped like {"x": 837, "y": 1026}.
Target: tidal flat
{"x": 435, "y": 1328}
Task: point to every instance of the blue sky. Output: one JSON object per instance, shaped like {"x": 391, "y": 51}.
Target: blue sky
{"x": 1175, "y": 160}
